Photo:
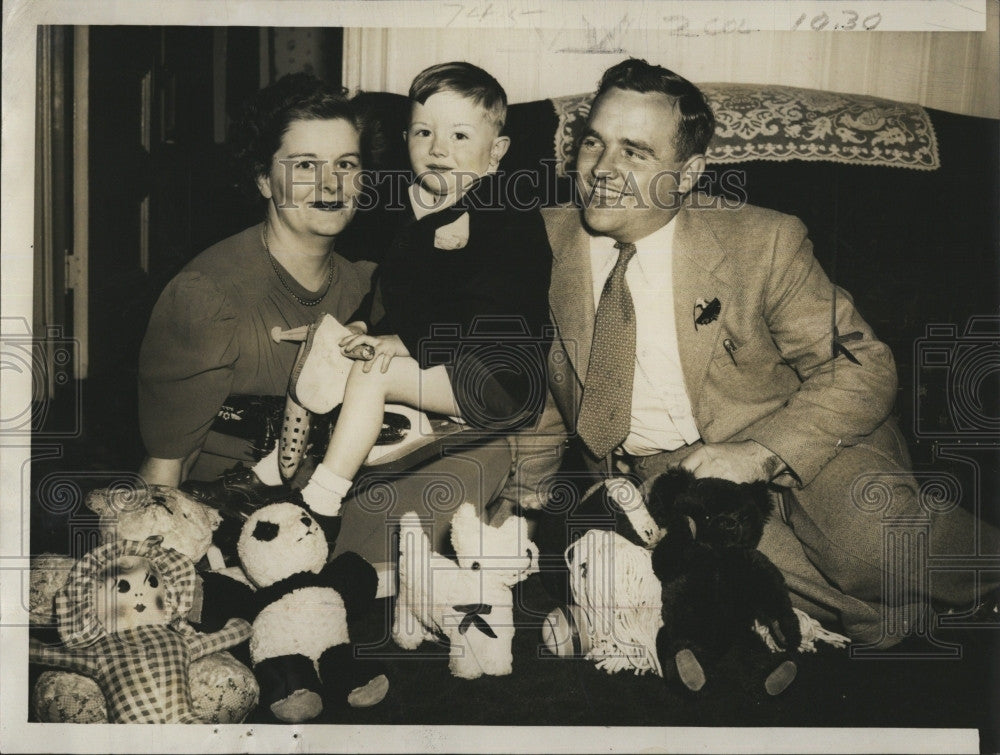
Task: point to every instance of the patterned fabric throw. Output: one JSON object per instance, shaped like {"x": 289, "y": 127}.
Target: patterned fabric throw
{"x": 606, "y": 409}
{"x": 772, "y": 122}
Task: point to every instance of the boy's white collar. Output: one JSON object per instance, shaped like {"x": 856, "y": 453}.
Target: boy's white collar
{"x": 423, "y": 202}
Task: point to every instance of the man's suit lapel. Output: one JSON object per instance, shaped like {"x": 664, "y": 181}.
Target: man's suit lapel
{"x": 571, "y": 297}
{"x": 698, "y": 271}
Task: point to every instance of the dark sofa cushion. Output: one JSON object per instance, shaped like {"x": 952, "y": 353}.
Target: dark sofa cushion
{"x": 914, "y": 248}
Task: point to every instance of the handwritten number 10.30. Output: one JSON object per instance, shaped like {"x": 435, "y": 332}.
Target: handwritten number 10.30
{"x": 848, "y": 23}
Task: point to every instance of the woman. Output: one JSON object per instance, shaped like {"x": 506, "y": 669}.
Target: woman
{"x": 208, "y": 337}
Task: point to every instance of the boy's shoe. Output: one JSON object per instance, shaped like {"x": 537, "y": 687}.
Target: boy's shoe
{"x": 239, "y": 492}
{"x": 689, "y": 670}
{"x": 295, "y": 426}
{"x": 779, "y": 679}
{"x": 320, "y": 373}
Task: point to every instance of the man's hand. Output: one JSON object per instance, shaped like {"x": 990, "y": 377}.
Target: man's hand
{"x": 744, "y": 461}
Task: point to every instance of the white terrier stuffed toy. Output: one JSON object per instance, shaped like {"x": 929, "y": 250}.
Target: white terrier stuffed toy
{"x": 469, "y": 603}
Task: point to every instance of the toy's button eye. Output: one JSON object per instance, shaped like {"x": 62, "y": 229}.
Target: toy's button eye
{"x": 475, "y": 566}
{"x": 124, "y": 586}
{"x": 153, "y": 582}
{"x": 306, "y": 521}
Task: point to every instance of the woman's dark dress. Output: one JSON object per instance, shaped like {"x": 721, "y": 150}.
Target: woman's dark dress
{"x": 209, "y": 338}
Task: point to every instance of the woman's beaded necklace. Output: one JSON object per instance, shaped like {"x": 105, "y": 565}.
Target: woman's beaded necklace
{"x": 284, "y": 283}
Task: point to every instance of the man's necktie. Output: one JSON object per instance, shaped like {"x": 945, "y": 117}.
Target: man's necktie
{"x": 606, "y": 408}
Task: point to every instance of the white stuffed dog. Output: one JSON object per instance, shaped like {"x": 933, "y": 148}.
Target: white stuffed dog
{"x": 469, "y": 603}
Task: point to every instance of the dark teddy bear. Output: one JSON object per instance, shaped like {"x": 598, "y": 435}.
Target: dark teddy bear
{"x": 715, "y": 581}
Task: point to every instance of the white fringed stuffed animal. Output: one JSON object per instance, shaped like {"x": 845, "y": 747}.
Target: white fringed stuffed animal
{"x": 469, "y": 602}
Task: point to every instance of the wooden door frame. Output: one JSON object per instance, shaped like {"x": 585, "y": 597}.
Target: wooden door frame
{"x": 61, "y": 238}
{"x": 77, "y": 272}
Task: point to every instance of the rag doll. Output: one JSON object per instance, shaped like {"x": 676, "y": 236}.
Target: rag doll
{"x": 120, "y": 619}
{"x": 223, "y": 689}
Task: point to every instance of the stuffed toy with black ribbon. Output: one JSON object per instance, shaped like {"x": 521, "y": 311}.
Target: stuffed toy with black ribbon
{"x": 470, "y": 602}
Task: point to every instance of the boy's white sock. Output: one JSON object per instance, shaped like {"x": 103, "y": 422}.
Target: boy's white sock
{"x": 325, "y": 490}
{"x": 267, "y": 470}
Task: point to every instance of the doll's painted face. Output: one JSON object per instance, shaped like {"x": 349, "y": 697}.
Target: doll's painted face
{"x": 131, "y": 594}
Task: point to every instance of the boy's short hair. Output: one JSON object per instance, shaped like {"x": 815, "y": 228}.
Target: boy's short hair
{"x": 697, "y": 123}
{"x": 468, "y": 81}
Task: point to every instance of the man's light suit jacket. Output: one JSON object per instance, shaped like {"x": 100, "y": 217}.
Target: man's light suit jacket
{"x": 780, "y": 384}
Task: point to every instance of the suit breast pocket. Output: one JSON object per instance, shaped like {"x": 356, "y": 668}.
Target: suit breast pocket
{"x": 739, "y": 351}
{"x": 750, "y": 366}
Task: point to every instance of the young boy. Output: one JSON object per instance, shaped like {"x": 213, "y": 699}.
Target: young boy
{"x": 459, "y": 313}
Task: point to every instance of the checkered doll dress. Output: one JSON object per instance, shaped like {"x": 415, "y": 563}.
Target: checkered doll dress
{"x": 143, "y": 671}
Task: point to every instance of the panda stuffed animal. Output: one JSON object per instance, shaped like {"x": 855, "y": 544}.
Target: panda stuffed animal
{"x": 301, "y": 651}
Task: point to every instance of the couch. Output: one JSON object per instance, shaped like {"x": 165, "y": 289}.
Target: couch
{"x": 901, "y": 205}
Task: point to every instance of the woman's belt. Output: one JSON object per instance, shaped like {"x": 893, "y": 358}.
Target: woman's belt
{"x": 257, "y": 420}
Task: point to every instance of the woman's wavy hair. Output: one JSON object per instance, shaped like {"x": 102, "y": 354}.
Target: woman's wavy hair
{"x": 266, "y": 116}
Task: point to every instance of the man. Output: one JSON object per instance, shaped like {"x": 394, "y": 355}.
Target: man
{"x": 710, "y": 338}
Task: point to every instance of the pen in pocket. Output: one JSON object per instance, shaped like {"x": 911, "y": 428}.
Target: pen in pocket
{"x": 730, "y": 346}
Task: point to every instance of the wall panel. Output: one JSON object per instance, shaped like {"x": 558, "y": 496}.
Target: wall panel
{"x": 956, "y": 71}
